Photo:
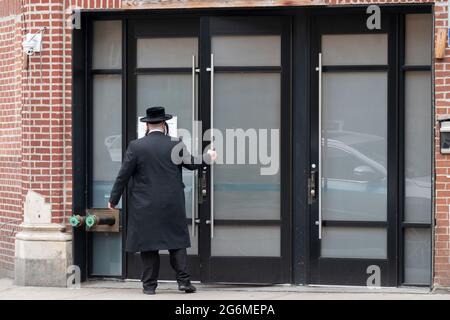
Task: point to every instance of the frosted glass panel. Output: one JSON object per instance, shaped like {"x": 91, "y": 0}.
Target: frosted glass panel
{"x": 344, "y": 242}
{"x": 174, "y": 92}
{"x": 247, "y": 101}
{"x": 246, "y": 241}
{"x": 166, "y": 52}
{"x": 354, "y": 146}
{"x": 246, "y": 50}
{"x": 107, "y": 136}
{"x": 354, "y": 49}
{"x": 418, "y": 37}
{"x": 417, "y": 256}
{"x": 107, "y": 45}
{"x": 418, "y": 139}
{"x": 106, "y": 254}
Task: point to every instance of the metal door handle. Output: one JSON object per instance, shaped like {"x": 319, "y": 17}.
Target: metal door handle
{"x": 319, "y": 187}
{"x": 312, "y": 185}
{"x": 194, "y": 203}
{"x": 202, "y": 186}
{"x": 211, "y": 193}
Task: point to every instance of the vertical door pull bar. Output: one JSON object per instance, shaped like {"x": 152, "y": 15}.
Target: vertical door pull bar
{"x": 193, "y": 149}
{"x": 211, "y": 193}
{"x": 319, "y": 182}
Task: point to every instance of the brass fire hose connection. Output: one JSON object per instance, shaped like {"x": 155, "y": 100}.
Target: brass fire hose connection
{"x": 77, "y": 221}
{"x": 93, "y": 220}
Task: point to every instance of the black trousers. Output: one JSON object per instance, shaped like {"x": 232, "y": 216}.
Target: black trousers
{"x": 150, "y": 265}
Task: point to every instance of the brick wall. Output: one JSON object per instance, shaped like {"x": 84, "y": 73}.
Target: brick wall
{"x": 442, "y": 162}
{"x": 10, "y": 131}
{"x": 46, "y": 121}
{"x": 35, "y": 115}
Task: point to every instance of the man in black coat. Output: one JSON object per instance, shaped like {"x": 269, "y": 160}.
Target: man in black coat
{"x": 156, "y": 207}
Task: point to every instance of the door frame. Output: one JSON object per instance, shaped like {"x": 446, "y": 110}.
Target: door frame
{"x": 300, "y": 213}
{"x": 164, "y": 28}
{"x": 130, "y": 261}
{"x": 353, "y": 271}
{"x": 392, "y": 21}
{"x": 226, "y": 269}
{"x": 229, "y": 269}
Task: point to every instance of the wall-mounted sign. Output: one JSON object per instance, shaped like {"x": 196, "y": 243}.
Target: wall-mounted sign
{"x": 172, "y": 123}
{"x": 444, "y": 129}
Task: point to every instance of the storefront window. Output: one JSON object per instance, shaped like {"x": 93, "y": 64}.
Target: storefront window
{"x": 106, "y": 138}
{"x": 418, "y": 149}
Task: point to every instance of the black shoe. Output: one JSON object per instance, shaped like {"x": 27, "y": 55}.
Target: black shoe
{"x": 187, "y": 287}
{"x": 149, "y": 291}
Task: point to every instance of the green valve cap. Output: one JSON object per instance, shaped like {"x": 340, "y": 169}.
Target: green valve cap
{"x": 74, "y": 221}
{"x": 91, "y": 221}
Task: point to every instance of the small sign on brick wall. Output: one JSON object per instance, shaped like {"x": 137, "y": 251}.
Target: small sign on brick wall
{"x": 36, "y": 210}
{"x": 440, "y": 43}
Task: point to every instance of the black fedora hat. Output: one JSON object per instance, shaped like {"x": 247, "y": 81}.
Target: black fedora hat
{"x": 156, "y": 115}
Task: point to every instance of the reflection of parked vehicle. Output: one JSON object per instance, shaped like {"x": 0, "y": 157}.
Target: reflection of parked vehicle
{"x": 114, "y": 146}
{"x": 354, "y": 185}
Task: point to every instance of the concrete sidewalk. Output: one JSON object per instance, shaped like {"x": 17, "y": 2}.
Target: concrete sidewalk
{"x": 131, "y": 290}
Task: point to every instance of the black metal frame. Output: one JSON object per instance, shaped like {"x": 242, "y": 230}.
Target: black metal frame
{"x": 353, "y": 271}
{"x": 146, "y": 29}
{"x": 89, "y": 75}
{"x": 252, "y": 269}
{"x": 298, "y": 154}
{"x": 403, "y": 68}
{"x": 79, "y": 139}
{"x": 395, "y": 225}
{"x": 153, "y": 28}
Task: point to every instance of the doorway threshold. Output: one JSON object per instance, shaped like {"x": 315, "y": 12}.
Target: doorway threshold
{"x": 169, "y": 285}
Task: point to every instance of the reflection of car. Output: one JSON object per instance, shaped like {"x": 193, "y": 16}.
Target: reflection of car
{"x": 354, "y": 178}
{"x": 114, "y": 146}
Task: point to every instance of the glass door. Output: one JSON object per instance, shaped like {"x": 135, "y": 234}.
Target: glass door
{"x": 232, "y": 75}
{"x": 163, "y": 71}
{"x": 245, "y": 237}
{"x": 353, "y": 167}
{"x": 105, "y": 141}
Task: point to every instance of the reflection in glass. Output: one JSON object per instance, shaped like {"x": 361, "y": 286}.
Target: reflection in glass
{"x": 107, "y": 45}
{"x": 354, "y": 146}
{"x": 246, "y": 101}
{"x": 418, "y": 153}
{"x": 107, "y": 138}
{"x": 345, "y": 242}
{"x": 246, "y": 241}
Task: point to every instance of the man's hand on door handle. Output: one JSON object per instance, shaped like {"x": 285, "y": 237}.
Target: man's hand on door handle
{"x": 212, "y": 154}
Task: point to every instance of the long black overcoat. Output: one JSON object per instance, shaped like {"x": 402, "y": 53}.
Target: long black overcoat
{"x": 156, "y": 204}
